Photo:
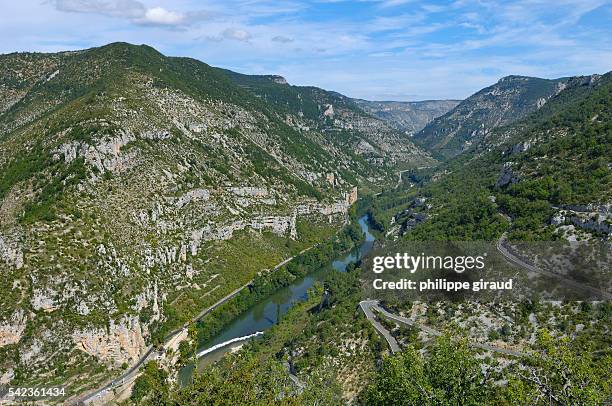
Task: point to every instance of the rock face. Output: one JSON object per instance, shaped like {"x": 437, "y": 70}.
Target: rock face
{"x": 507, "y": 101}
{"x": 196, "y": 194}
{"x": 106, "y": 155}
{"x": 249, "y": 191}
{"x": 44, "y": 300}
{"x": 329, "y": 110}
{"x": 507, "y": 176}
{"x": 408, "y": 117}
{"x": 10, "y": 254}
{"x": 351, "y": 197}
{"x": 279, "y": 79}
{"x": 119, "y": 343}
{"x": 597, "y": 218}
{"x": 12, "y": 330}
{"x": 280, "y": 225}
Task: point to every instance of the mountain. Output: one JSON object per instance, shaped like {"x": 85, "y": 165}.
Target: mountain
{"x": 138, "y": 189}
{"x": 549, "y": 174}
{"x": 509, "y": 100}
{"x": 343, "y": 120}
{"x": 409, "y": 117}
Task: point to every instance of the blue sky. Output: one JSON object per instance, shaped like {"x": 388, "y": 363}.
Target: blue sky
{"x": 374, "y": 49}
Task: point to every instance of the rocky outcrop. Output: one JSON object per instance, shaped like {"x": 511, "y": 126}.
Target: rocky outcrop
{"x": 605, "y": 209}
{"x": 118, "y": 343}
{"x": 83, "y": 309}
{"x": 12, "y": 329}
{"x": 364, "y": 147}
{"x": 507, "y": 176}
{"x": 44, "y": 300}
{"x": 10, "y": 253}
{"x": 280, "y": 225}
{"x": 107, "y": 155}
{"x": 597, "y": 218}
{"x": 149, "y": 298}
{"x": 337, "y": 207}
{"x": 7, "y": 376}
{"x": 246, "y": 196}
{"x": 196, "y": 194}
{"x": 328, "y": 111}
{"x": 165, "y": 255}
{"x": 279, "y": 79}
{"x": 249, "y": 191}
{"x": 521, "y": 147}
{"x": 31, "y": 352}
{"x": 351, "y": 197}
{"x": 597, "y": 223}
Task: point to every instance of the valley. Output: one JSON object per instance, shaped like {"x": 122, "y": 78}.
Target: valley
{"x": 154, "y": 208}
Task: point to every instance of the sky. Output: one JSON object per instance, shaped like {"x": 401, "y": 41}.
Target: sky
{"x": 372, "y": 49}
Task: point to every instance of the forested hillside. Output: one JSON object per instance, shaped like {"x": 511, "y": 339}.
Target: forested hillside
{"x": 342, "y": 121}
{"x": 546, "y": 172}
{"x": 133, "y": 186}
{"x": 509, "y": 100}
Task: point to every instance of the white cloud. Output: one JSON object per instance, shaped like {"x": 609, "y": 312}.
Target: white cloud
{"x": 236, "y": 34}
{"x": 282, "y": 39}
{"x": 132, "y": 10}
{"x": 113, "y": 8}
{"x": 159, "y": 15}
{"x": 395, "y": 3}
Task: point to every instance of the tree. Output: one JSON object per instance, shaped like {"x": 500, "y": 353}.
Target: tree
{"x": 151, "y": 388}
{"x": 244, "y": 379}
{"x": 450, "y": 375}
{"x": 563, "y": 375}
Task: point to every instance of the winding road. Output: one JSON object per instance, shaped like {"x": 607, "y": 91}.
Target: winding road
{"x": 512, "y": 258}
{"x": 391, "y": 341}
{"x": 368, "y": 305}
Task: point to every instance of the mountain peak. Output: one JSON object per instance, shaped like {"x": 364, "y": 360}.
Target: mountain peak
{"x": 278, "y": 79}
{"x": 120, "y": 45}
{"x": 127, "y": 52}
{"x": 511, "y": 78}
{"x": 510, "y": 99}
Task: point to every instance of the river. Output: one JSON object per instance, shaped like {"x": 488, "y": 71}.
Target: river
{"x": 266, "y": 313}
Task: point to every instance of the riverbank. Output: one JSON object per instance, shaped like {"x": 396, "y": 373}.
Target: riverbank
{"x": 301, "y": 274}
{"x": 167, "y": 351}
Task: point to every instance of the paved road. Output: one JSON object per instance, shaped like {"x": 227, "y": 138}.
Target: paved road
{"x": 368, "y": 305}
{"x": 151, "y": 354}
{"x": 405, "y": 320}
{"x": 520, "y": 262}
